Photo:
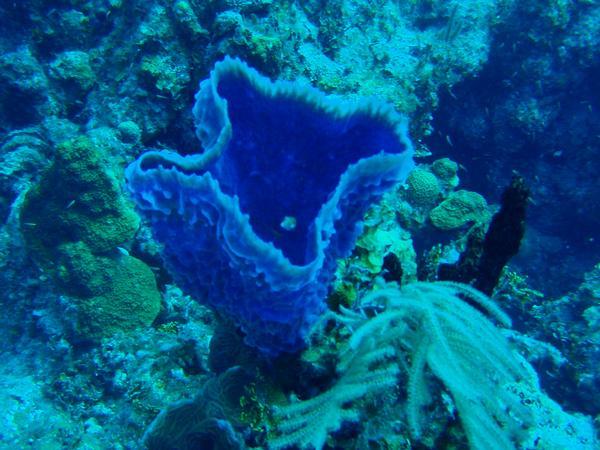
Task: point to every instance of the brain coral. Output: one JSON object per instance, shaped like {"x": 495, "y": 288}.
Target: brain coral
{"x": 254, "y": 224}
{"x": 423, "y": 189}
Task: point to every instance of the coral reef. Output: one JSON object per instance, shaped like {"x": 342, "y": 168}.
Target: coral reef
{"x": 530, "y": 110}
{"x": 24, "y": 87}
{"x": 72, "y": 69}
{"x": 570, "y": 324}
{"x": 101, "y": 348}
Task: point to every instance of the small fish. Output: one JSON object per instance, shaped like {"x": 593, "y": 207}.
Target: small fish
{"x": 17, "y": 398}
{"x": 123, "y": 251}
{"x": 288, "y": 223}
{"x": 71, "y": 203}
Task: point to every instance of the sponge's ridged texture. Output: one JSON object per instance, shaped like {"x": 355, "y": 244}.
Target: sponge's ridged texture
{"x": 273, "y": 151}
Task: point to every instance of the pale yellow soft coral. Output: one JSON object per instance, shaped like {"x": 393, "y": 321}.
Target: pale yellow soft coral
{"x": 377, "y": 242}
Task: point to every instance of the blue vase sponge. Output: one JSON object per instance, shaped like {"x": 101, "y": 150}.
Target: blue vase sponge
{"x": 253, "y": 225}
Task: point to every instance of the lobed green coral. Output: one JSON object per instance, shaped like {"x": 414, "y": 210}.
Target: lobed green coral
{"x": 128, "y": 298}
{"x": 78, "y": 200}
{"x": 73, "y": 220}
{"x": 114, "y": 293}
{"x": 446, "y": 172}
{"x": 129, "y": 132}
{"x": 461, "y": 207}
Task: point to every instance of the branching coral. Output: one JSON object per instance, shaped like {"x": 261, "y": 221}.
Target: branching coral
{"x": 364, "y": 369}
{"x": 433, "y": 327}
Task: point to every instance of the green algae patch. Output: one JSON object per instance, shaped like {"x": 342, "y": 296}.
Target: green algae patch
{"x": 74, "y": 221}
